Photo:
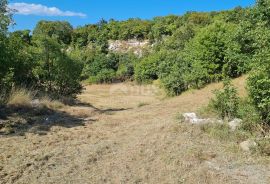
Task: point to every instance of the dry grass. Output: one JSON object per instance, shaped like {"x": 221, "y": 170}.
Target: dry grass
{"x": 130, "y": 145}
{"x": 51, "y": 104}
{"x": 20, "y": 97}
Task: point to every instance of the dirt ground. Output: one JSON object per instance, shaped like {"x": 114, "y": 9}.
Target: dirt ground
{"x": 129, "y": 134}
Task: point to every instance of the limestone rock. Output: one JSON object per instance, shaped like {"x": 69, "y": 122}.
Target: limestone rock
{"x": 192, "y": 118}
{"x": 234, "y": 124}
{"x": 248, "y": 145}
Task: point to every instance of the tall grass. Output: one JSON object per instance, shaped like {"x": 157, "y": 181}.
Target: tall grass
{"x": 20, "y": 97}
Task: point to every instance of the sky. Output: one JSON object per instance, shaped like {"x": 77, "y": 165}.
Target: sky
{"x": 81, "y": 12}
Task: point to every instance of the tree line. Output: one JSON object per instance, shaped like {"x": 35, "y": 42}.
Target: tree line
{"x": 187, "y": 52}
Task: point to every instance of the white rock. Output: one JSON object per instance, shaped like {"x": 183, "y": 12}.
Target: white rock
{"x": 247, "y": 145}
{"x": 192, "y": 118}
{"x": 35, "y": 103}
{"x": 234, "y": 124}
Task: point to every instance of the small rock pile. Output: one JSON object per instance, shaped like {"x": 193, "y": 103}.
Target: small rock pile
{"x": 192, "y": 118}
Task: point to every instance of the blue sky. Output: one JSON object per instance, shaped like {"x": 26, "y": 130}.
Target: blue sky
{"x": 81, "y": 12}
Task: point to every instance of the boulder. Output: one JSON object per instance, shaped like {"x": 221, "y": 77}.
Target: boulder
{"x": 248, "y": 145}
{"x": 234, "y": 124}
{"x": 193, "y": 119}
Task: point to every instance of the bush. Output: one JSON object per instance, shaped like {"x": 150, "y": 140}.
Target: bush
{"x": 226, "y": 101}
{"x": 258, "y": 88}
{"x": 125, "y": 70}
{"x": 56, "y": 73}
{"x": 174, "y": 82}
{"x": 212, "y": 52}
{"x": 248, "y": 113}
{"x": 147, "y": 70}
{"x": 104, "y": 76}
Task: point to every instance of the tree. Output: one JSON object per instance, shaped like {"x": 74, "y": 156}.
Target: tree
{"x": 62, "y": 31}
{"x": 5, "y": 16}
{"x": 22, "y": 60}
{"x": 6, "y": 72}
{"x": 215, "y": 51}
{"x": 147, "y": 69}
{"x": 56, "y": 73}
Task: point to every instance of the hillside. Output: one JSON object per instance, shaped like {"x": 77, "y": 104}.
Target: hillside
{"x": 129, "y": 134}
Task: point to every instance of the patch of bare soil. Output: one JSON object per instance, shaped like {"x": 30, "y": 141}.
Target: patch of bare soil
{"x": 121, "y": 141}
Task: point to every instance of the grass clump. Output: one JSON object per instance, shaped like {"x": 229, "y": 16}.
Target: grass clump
{"x": 51, "y": 104}
{"x": 224, "y": 133}
{"x": 20, "y": 97}
{"x": 263, "y": 147}
{"x": 141, "y": 104}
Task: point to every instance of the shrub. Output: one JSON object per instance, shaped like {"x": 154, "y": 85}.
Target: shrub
{"x": 56, "y": 72}
{"x": 172, "y": 72}
{"x": 104, "y": 76}
{"x": 147, "y": 70}
{"x": 125, "y": 70}
{"x": 174, "y": 83}
{"x": 213, "y": 51}
{"x": 248, "y": 113}
{"x": 226, "y": 101}
{"x": 258, "y": 88}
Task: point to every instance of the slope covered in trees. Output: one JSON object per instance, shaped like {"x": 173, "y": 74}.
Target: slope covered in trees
{"x": 187, "y": 52}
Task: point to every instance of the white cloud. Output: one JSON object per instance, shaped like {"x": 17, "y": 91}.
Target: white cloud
{"x": 38, "y": 9}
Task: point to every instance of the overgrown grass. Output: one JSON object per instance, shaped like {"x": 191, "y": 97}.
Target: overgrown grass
{"x": 51, "y": 104}
{"x": 224, "y": 133}
{"x": 20, "y": 97}
{"x": 263, "y": 147}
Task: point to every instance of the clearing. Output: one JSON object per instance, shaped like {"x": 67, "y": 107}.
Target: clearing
{"x": 124, "y": 133}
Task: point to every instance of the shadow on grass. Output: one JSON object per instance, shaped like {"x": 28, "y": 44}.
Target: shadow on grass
{"x": 16, "y": 120}
{"x": 102, "y": 111}
{"x": 38, "y": 120}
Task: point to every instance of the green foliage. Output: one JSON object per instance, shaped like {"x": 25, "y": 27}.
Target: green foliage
{"x": 147, "y": 69}
{"x": 164, "y": 26}
{"x": 99, "y": 67}
{"x": 61, "y": 31}
{"x": 259, "y": 85}
{"x": 125, "y": 70}
{"x": 5, "y": 16}
{"x": 224, "y": 133}
{"x": 103, "y": 76}
{"x": 55, "y": 72}
{"x": 249, "y": 114}
{"x": 226, "y": 101}
{"x": 188, "y": 51}
{"x": 212, "y": 52}
{"x": 172, "y": 73}
{"x": 174, "y": 83}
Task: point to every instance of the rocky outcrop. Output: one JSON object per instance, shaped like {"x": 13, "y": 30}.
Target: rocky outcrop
{"x": 135, "y": 46}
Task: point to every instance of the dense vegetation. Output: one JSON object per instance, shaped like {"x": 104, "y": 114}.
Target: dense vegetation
{"x": 186, "y": 52}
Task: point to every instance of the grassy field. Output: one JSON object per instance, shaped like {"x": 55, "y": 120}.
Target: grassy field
{"x": 124, "y": 133}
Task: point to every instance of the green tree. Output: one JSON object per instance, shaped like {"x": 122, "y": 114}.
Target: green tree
{"x": 6, "y": 71}
{"x": 56, "y": 72}
{"x": 62, "y": 31}
{"x": 214, "y": 50}
{"x": 147, "y": 69}
{"x": 259, "y": 84}
{"x": 5, "y": 16}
